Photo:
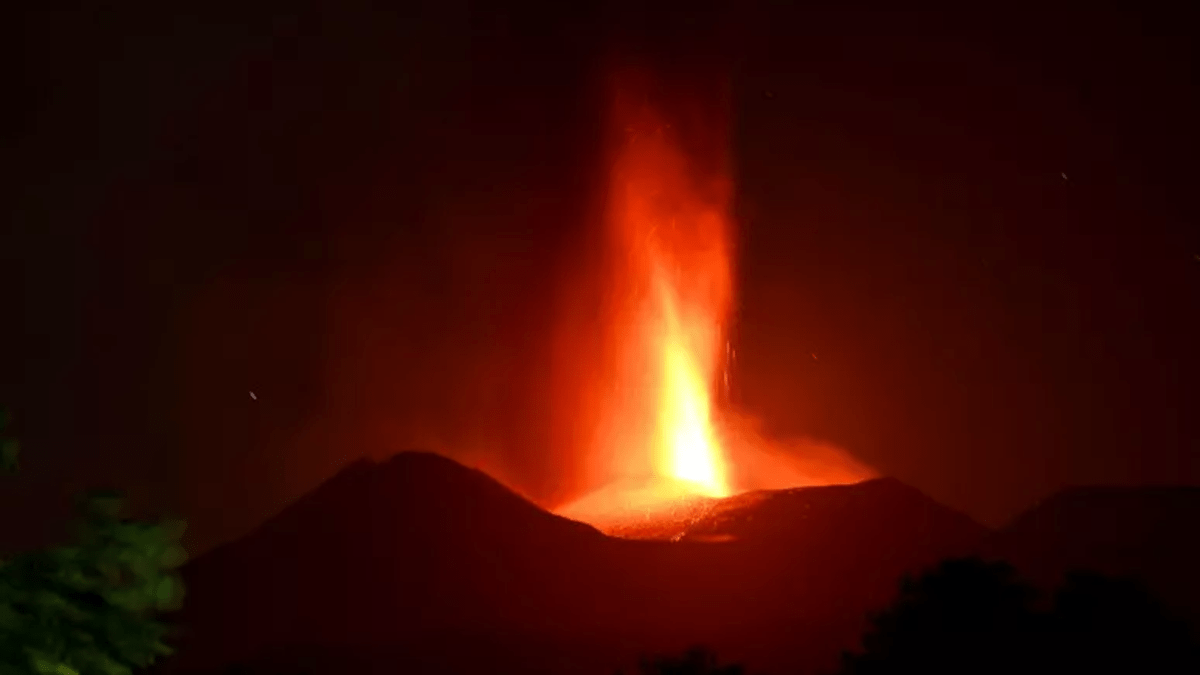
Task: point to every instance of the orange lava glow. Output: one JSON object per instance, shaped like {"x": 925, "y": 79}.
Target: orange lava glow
{"x": 673, "y": 225}
{"x": 686, "y": 447}
{"x": 660, "y": 446}
{"x": 670, "y": 288}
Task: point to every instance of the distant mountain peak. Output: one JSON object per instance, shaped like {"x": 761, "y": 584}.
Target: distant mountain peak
{"x": 1104, "y": 502}
{"x": 425, "y": 489}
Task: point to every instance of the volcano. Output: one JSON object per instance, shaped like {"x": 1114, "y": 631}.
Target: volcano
{"x": 421, "y": 562}
{"x": 423, "y": 565}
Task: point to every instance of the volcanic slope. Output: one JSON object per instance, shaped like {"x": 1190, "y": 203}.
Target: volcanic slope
{"x": 1150, "y": 533}
{"x": 422, "y": 564}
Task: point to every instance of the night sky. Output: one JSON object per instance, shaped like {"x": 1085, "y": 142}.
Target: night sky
{"x": 982, "y": 225}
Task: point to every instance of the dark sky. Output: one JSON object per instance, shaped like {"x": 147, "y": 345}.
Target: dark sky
{"x": 363, "y": 215}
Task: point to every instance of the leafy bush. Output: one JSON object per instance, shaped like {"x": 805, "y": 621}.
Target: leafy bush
{"x": 90, "y": 608}
{"x": 973, "y": 616}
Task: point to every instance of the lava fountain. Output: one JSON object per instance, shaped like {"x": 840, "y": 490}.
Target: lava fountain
{"x": 669, "y": 291}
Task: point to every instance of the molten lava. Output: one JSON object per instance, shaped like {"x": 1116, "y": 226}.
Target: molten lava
{"x": 669, "y": 280}
{"x": 672, "y": 226}
{"x": 686, "y": 448}
{"x": 661, "y": 451}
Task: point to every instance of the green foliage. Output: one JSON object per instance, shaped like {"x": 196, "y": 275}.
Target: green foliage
{"x": 89, "y": 609}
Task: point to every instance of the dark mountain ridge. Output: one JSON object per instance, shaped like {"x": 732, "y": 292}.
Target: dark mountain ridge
{"x": 422, "y": 563}
{"x": 1147, "y": 533}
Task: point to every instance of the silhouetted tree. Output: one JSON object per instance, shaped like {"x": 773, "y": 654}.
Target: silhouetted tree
{"x": 971, "y": 616}
{"x": 1106, "y": 625}
{"x": 696, "y": 661}
{"x": 965, "y": 616}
